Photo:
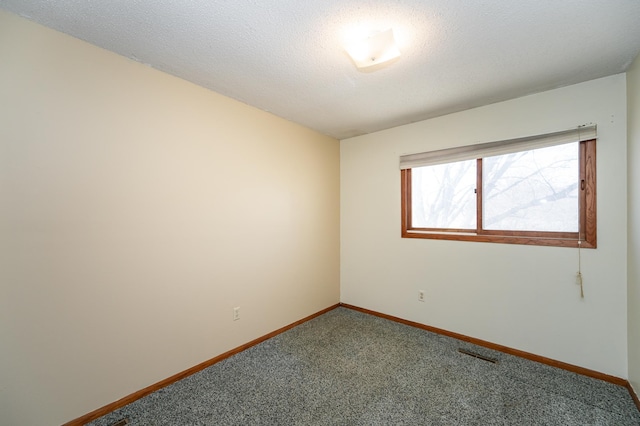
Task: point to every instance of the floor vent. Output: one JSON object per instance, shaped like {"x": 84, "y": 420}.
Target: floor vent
{"x": 123, "y": 422}
{"x": 477, "y": 355}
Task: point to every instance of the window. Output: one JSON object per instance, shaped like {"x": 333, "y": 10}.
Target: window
{"x": 536, "y": 190}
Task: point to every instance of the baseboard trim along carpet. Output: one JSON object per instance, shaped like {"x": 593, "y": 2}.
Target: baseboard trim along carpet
{"x": 522, "y": 354}
{"x": 516, "y": 352}
{"x": 634, "y": 395}
{"x": 80, "y": 421}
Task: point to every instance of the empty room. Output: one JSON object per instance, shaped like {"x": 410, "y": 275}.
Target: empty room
{"x": 319, "y": 213}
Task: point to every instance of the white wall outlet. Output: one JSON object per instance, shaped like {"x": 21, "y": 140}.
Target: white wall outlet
{"x": 421, "y": 295}
{"x": 236, "y": 313}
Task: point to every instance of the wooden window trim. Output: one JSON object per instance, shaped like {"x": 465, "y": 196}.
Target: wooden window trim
{"x": 585, "y": 238}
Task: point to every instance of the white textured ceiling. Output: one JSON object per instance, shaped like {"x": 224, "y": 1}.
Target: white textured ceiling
{"x": 287, "y": 56}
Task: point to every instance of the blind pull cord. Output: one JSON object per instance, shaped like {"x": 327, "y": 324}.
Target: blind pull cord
{"x": 579, "y": 274}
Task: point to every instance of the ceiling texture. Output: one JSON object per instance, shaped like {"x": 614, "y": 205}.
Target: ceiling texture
{"x": 288, "y": 57}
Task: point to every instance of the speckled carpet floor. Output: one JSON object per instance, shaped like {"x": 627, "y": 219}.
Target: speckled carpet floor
{"x": 350, "y": 368}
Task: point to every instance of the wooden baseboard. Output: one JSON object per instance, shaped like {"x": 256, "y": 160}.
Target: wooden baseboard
{"x": 634, "y": 395}
{"x": 522, "y": 354}
{"x": 166, "y": 382}
{"x": 527, "y": 355}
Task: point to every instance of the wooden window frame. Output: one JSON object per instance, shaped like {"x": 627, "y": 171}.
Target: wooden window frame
{"x": 584, "y": 238}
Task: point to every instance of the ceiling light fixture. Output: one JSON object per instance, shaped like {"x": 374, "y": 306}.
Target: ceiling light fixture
{"x": 376, "y": 49}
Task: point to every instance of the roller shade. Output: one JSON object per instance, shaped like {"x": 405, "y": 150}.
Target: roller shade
{"x": 471, "y": 152}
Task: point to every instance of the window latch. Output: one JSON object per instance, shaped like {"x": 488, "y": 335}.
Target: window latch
{"x": 582, "y": 185}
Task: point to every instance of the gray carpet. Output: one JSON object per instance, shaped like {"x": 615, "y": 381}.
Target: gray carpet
{"x": 350, "y": 368}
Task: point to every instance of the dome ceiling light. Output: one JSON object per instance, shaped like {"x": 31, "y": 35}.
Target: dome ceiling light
{"x": 378, "y": 48}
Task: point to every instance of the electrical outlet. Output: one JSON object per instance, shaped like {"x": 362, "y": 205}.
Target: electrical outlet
{"x": 421, "y": 295}
{"x": 236, "y": 313}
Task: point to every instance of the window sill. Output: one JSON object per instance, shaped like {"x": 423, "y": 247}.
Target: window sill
{"x": 504, "y": 239}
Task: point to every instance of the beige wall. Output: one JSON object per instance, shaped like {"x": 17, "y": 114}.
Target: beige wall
{"x": 633, "y": 102}
{"x": 524, "y": 297}
{"x": 136, "y": 210}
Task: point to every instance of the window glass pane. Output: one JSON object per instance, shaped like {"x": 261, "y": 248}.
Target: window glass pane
{"x": 443, "y": 196}
{"x": 534, "y": 190}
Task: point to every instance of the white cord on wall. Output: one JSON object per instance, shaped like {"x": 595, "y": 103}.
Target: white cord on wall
{"x": 579, "y": 274}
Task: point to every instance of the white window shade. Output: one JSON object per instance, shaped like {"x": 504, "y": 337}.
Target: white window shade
{"x": 489, "y": 149}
